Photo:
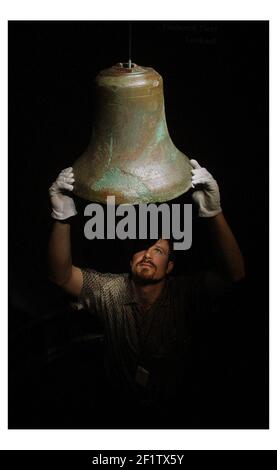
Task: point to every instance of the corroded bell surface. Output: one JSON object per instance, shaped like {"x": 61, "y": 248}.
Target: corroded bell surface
{"x": 131, "y": 155}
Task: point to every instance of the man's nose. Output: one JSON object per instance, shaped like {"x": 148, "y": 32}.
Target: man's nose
{"x": 147, "y": 254}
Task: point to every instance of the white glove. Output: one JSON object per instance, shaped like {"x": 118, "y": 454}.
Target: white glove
{"x": 206, "y": 196}
{"x": 63, "y": 206}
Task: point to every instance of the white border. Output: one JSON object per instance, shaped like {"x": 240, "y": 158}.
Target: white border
{"x": 143, "y": 10}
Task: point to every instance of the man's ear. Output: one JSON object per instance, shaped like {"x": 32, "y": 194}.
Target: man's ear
{"x": 170, "y": 267}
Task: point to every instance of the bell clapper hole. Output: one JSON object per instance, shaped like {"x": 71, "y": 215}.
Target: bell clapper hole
{"x": 128, "y": 65}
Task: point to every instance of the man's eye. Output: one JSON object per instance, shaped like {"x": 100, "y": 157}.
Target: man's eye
{"x": 158, "y": 250}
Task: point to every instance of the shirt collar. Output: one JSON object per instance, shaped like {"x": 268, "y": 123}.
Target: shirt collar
{"x": 129, "y": 295}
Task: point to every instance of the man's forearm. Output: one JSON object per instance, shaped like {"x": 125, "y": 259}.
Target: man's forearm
{"x": 227, "y": 248}
{"x": 59, "y": 253}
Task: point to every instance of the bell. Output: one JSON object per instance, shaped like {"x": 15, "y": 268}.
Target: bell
{"x": 131, "y": 155}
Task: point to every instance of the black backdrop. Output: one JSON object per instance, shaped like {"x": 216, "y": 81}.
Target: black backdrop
{"x": 216, "y": 99}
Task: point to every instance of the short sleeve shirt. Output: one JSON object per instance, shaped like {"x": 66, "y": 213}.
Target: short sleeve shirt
{"x": 156, "y": 342}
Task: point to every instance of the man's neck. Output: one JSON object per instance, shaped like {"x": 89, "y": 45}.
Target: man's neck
{"x": 148, "y": 293}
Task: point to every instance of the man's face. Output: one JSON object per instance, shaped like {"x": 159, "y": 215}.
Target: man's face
{"x": 152, "y": 265}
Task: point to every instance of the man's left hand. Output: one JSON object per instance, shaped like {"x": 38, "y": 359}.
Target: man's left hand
{"x": 206, "y": 194}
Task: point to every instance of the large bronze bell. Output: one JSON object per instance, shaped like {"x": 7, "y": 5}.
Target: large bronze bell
{"x": 131, "y": 155}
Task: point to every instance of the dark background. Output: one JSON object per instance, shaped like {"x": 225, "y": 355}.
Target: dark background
{"x": 216, "y": 100}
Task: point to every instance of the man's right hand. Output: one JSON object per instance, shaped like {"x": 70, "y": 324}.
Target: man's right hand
{"x": 63, "y": 206}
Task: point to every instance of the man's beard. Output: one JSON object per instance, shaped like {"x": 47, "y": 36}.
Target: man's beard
{"x": 144, "y": 277}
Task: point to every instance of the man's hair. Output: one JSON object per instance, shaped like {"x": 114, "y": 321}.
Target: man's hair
{"x": 171, "y": 254}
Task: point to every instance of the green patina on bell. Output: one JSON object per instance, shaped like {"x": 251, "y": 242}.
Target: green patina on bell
{"x": 131, "y": 155}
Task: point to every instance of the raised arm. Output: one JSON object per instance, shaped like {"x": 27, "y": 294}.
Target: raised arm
{"x": 207, "y": 198}
{"x": 61, "y": 270}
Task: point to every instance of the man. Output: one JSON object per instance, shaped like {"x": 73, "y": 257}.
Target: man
{"x": 147, "y": 316}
